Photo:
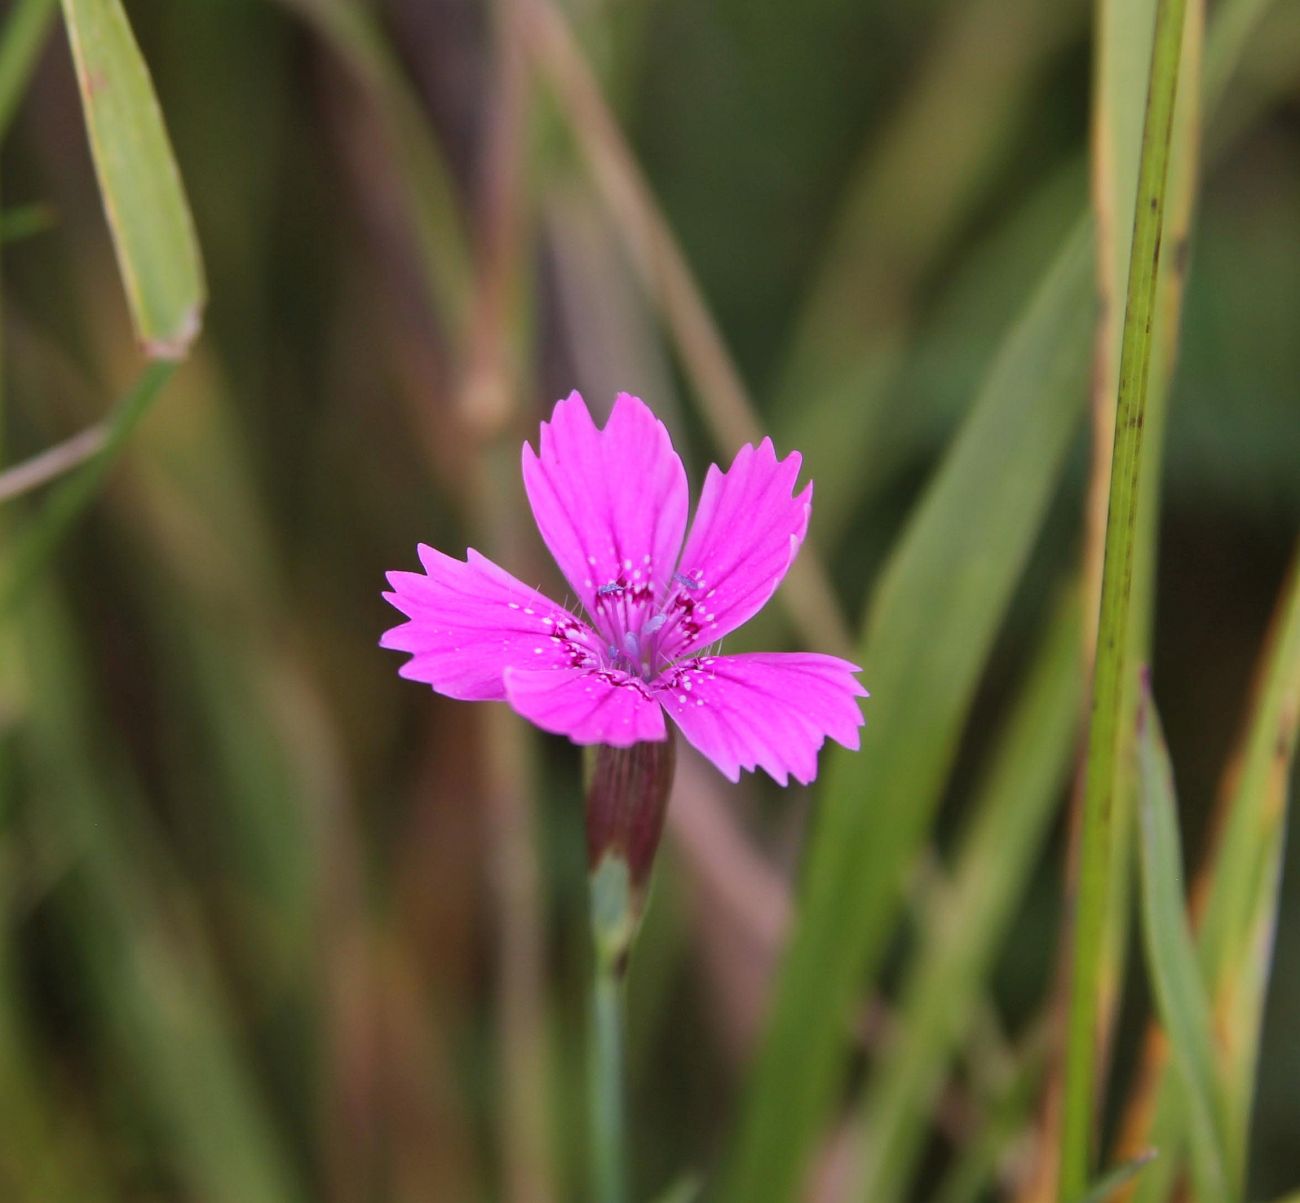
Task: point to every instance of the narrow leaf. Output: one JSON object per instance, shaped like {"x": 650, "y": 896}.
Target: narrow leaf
{"x": 1236, "y": 935}
{"x": 1118, "y": 1177}
{"x": 26, "y": 27}
{"x": 1171, "y": 957}
{"x": 1237, "y": 902}
{"x": 148, "y": 216}
{"x": 933, "y": 620}
{"x": 1108, "y": 731}
{"x": 965, "y": 927}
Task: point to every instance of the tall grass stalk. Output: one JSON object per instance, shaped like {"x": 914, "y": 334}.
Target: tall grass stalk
{"x": 1106, "y": 731}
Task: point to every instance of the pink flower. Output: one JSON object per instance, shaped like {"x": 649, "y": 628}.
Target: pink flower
{"x": 611, "y": 505}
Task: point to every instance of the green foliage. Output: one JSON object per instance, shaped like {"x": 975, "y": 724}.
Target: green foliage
{"x": 931, "y": 623}
{"x": 1107, "y": 732}
{"x": 277, "y": 925}
{"x": 1171, "y": 957}
{"x": 150, "y": 220}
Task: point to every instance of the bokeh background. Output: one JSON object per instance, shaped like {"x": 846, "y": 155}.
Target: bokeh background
{"x": 278, "y": 925}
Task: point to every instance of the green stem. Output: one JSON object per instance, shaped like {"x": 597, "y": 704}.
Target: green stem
{"x": 1108, "y": 729}
{"x": 606, "y": 1070}
{"x": 614, "y": 912}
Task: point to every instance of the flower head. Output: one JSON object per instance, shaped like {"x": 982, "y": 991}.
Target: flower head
{"x": 611, "y": 506}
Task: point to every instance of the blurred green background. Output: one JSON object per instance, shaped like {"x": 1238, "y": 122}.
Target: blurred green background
{"x": 278, "y": 925}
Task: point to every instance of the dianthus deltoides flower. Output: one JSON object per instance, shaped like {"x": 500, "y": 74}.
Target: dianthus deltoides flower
{"x": 611, "y": 505}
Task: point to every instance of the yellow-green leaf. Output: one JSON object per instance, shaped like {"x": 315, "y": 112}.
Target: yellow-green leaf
{"x": 1171, "y": 958}
{"x": 148, "y": 216}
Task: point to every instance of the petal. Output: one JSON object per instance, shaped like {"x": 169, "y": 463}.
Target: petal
{"x": 611, "y": 505}
{"x": 589, "y": 707}
{"x": 745, "y": 535}
{"x": 768, "y": 710}
{"x": 471, "y": 620}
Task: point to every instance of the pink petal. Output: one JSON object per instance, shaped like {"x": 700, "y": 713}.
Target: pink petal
{"x": 471, "y": 620}
{"x": 589, "y": 707}
{"x": 746, "y": 532}
{"x": 611, "y": 505}
{"x": 768, "y": 710}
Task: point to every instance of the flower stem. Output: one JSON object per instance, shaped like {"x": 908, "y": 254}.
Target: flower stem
{"x": 626, "y": 795}
{"x": 605, "y": 1069}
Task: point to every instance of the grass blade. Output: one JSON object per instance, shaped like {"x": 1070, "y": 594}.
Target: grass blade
{"x": 1120, "y": 1176}
{"x": 1106, "y": 731}
{"x": 1010, "y": 817}
{"x": 1241, "y": 906}
{"x": 1171, "y": 957}
{"x": 148, "y": 215}
{"x": 1236, "y": 904}
{"x": 932, "y": 623}
{"x": 25, "y": 31}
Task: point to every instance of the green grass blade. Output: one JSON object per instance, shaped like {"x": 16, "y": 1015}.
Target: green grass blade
{"x": 26, "y": 28}
{"x": 1107, "y": 731}
{"x": 933, "y": 620}
{"x": 1120, "y": 1176}
{"x": 1246, "y": 894}
{"x": 1010, "y": 814}
{"x": 1256, "y": 802}
{"x": 148, "y": 215}
{"x": 845, "y": 406}
{"x": 1235, "y": 936}
{"x": 1171, "y": 958}
{"x": 36, "y": 543}
{"x": 1241, "y": 900}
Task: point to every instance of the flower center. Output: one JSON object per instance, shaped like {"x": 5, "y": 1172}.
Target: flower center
{"x": 640, "y": 634}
